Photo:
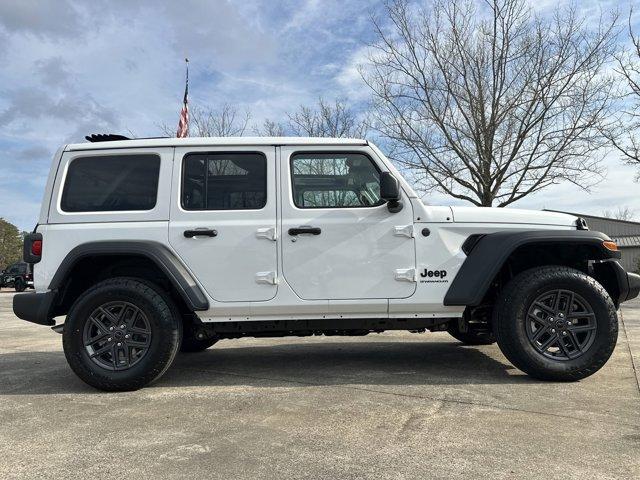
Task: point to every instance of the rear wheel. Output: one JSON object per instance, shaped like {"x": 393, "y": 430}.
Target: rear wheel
{"x": 556, "y": 323}
{"x": 121, "y": 334}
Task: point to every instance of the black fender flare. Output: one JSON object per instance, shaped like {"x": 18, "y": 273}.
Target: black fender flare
{"x": 488, "y": 253}
{"x": 158, "y": 253}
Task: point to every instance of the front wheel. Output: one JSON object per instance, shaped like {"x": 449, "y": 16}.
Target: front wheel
{"x": 556, "y": 323}
{"x": 121, "y": 334}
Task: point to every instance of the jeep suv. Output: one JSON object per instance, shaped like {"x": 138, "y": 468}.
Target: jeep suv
{"x": 17, "y": 276}
{"x": 152, "y": 246}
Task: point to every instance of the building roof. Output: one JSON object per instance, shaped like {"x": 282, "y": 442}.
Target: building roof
{"x": 627, "y": 241}
{"x": 587, "y": 215}
{"x": 625, "y": 230}
{"x": 214, "y": 141}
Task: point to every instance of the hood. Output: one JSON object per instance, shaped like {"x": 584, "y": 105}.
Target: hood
{"x": 512, "y": 215}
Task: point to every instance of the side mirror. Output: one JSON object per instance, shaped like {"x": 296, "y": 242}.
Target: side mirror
{"x": 390, "y": 192}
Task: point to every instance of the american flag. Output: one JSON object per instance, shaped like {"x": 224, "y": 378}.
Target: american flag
{"x": 183, "y": 123}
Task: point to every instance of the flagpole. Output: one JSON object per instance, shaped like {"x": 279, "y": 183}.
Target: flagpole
{"x": 186, "y": 62}
{"x": 183, "y": 123}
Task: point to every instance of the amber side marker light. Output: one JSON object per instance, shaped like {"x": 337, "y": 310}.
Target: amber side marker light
{"x": 613, "y": 246}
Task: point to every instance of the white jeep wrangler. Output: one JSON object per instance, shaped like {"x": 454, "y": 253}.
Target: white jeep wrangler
{"x": 152, "y": 246}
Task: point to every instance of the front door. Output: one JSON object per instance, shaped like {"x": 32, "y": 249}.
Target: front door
{"x": 339, "y": 240}
{"x": 223, "y": 220}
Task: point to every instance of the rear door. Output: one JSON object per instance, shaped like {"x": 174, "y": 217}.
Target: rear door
{"x": 223, "y": 220}
{"x": 340, "y": 241}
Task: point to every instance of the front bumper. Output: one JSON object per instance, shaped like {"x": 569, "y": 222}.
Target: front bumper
{"x": 621, "y": 285}
{"x": 633, "y": 280}
{"x": 34, "y": 307}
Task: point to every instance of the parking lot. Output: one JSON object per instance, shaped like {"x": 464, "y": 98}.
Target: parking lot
{"x": 395, "y": 405}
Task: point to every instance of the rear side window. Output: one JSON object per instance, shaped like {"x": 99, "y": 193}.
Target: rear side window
{"x": 111, "y": 183}
{"x": 334, "y": 180}
{"x": 224, "y": 181}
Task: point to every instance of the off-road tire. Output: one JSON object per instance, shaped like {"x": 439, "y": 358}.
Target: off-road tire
{"x": 512, "y": 308}
{"x": 165, "y": 325}
{"x": 19, "y": 285}
{"x": 470, "y": 338}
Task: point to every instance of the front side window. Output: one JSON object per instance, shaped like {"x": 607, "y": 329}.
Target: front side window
{"x": 224, "y": 181}
{"x": 334, "y": 180}
{"x": 109, "y": 183}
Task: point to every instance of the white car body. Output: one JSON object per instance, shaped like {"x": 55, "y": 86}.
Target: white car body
{"x": 367, "y": 263}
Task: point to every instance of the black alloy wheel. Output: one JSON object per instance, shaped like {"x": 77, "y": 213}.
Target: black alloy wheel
{"x": 561, "y": 325}
{"x": 117, "y": 335}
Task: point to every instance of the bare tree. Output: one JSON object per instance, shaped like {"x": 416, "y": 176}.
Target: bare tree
{"x": 227, "y": 121}
{"x": 326, "y": 120}
{"x": 620, "y": 213}
{"x": 224, "y": 122}
{"x": 491, "y": 105}
{"x": 626, "y": 138}
{"x": 271, "y": 128}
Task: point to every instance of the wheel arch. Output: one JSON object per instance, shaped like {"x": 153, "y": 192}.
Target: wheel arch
{"x": 92, "y": 262}
{"x": 495, "y": 257}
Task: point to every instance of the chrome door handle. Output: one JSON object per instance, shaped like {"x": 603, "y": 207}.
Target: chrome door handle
{"x": 269, "y": 233}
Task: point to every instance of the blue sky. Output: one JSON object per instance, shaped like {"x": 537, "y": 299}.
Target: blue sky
{"x": 71, "y": 68}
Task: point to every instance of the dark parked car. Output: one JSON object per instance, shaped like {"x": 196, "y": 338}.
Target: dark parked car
{"x": 18, "y": 276}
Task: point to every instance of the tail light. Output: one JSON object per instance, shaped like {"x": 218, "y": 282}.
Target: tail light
{"x": 36, "y": 248}
{"x": 32, "y": 251}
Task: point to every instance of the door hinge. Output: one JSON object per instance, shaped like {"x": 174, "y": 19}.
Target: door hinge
{"x": 406, "y": 275}
{"x": 405, "y": 231}
{"x": 268, "y": 233}
{"x": 269, "y": 278}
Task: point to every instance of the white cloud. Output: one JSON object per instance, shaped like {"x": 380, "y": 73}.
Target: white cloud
{"x": 617, "y": 189}
{"x": 71, "y": 68}
{"x": 43, "y": 18}
{"x": 349, "y": 77}
{"x": 306, "y": 13}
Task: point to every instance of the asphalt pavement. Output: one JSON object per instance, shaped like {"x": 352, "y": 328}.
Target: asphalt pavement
{"x": 389, "y": 406}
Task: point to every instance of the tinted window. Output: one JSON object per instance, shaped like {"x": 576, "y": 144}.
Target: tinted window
{"x": 334, "y": 180}
{"x": 111, "y": 183}
{"x": 224, "y": 181}
{"x": 17, "y": 268}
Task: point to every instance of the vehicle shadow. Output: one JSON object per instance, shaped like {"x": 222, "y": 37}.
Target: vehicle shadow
{"x": 371, "y": 363}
